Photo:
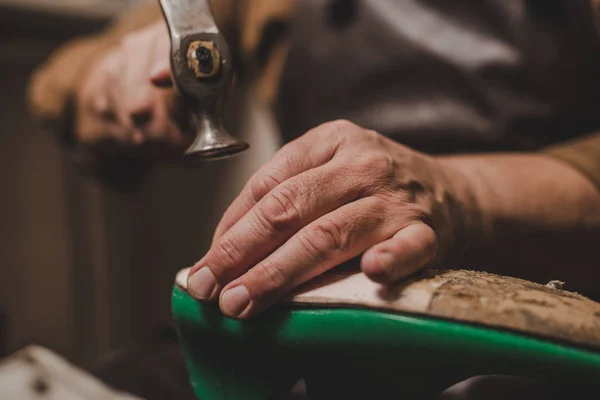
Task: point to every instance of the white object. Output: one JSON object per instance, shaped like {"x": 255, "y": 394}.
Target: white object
{"x": 37, "y": 373}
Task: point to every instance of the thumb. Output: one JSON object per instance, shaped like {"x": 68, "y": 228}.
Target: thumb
{"x": 409, "y": 250}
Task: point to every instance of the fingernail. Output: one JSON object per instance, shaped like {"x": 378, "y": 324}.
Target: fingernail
{"x": 235, "y": 301}
{"x": 201, "y": 284}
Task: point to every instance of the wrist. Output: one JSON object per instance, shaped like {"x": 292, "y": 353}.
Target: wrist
{"x": 525, "y": 215}
{"x": 466, "y": 214}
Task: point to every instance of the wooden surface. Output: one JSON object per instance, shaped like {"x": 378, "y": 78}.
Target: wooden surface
{"x": 37, "y": 373}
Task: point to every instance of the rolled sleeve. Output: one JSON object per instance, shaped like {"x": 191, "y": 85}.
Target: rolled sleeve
{"x": 582, "y": 154}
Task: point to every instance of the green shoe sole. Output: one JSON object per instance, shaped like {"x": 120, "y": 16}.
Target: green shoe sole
{"x": 346, "y": 352}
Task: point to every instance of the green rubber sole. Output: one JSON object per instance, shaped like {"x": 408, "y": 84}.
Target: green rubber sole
{"x": 352, "y": 353}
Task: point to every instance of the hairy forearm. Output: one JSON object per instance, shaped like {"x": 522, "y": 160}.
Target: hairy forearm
{"x": 536, "y": 217}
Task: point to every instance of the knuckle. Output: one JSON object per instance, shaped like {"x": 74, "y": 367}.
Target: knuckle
{"x": 110, "y": 70}
{"x": 366, "y": 137}
{"x": 379, "y": 163}
{"x": 100, "y": 105}
{"x": 289, "y": 153}
{"x": 371, "y": 135}
{"x": 227, "y": 252}
{"x": 260, "y": 187}
{"x": 325, "y": 238}
{"x": 333, "y": 131}
{"x": 279, "y": 209}
{"x": 340, "y": 126}
{"x": 273, "y": 273}
{"x": 137, "y": 107}
{"x": 378, "y": 205}
{"x": 295, "y": 155}
{"x": 289, "y": 149}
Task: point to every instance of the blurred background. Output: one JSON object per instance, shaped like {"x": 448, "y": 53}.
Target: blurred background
{"x": 87, "y": 271}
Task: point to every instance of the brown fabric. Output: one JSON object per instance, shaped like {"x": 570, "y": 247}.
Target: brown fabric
{"x": 445, "y": 77}
{"x": 582, "y": 154}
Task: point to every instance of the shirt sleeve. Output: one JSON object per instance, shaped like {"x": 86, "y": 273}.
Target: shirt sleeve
{"x": 582, "y": 154}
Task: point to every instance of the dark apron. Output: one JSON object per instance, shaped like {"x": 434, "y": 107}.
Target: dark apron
{"x": 445, "y": 76}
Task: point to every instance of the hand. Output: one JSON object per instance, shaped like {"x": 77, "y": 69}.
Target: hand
{"x": 325, "y": 198}
{"x": 126, "y": 98}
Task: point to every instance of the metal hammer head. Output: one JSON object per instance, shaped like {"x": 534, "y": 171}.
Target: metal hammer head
{"x": 203, "y": 73}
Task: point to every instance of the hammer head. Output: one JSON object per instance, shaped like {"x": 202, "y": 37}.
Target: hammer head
{"x": 203, "y": 74}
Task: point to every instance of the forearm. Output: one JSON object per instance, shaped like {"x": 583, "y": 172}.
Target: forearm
{"x": 536, "y": 217}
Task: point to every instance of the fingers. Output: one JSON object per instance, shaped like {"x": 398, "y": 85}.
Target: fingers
{"x": 160, "y": 73}
{"x": 410, "y": 250}
{"x": 325, "y": 198}
{"x": 160, "y": 129}
{"x": 114, "y": 89}
{"x": 166, "y": 126}
{"x": 294, "y": 158}
{"x": 136, "y": 101}
{"x": 118, "y": 100}
{"x": 321, "y": 245}
{"x": 277, "y": 217}
{"x": 93, "y": 108}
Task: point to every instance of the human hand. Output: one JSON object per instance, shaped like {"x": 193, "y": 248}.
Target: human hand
{"x": 338, "y": 191}
{"x": 126, "y": 96}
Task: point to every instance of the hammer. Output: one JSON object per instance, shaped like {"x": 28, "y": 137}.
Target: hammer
{"x": 202, "y": 73}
